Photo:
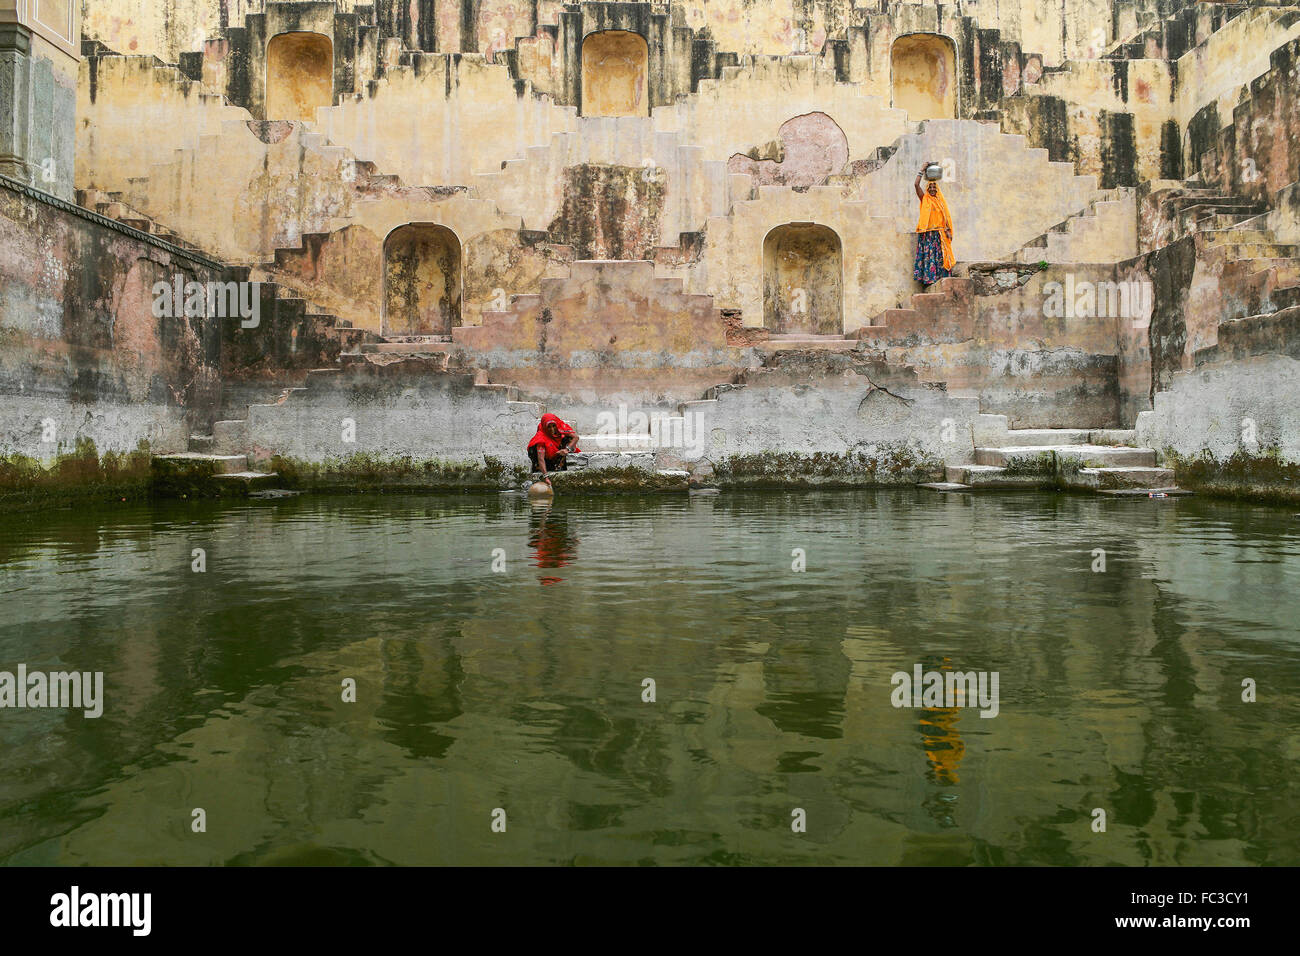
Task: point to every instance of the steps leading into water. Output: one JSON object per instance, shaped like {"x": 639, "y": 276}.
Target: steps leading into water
{"x": 1089, "y": 456}
{"x": 1084, "y": 459}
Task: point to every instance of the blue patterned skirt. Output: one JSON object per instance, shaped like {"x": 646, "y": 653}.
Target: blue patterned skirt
{"x": 929, "y": 258}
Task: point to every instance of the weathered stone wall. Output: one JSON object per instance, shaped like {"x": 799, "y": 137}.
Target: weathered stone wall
{"x": 124, "y": 101}
{"x": 403, "y": 410}
{"x": 344, "y": 271}
{"x": 165, "y": 30}
{"x": 1212, "y": 76}
{"x": 741, "y": 26}
{"x": 609, "y": 332}
{"x": 839, "y": 404}
{"x": 1230, "y": 427}
{"x": 1106, "y": 117}
{"x": 1036, "y": 346}
{"x": 1257, "y": 153}
{"x": 38, "y": 101}
{"x": 84, "y": 358}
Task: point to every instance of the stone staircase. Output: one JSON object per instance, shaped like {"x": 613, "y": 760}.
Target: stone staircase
{"x": 1003, "y": 193}
{"x": 113, "y": 205}
{"x": 1105, "y": 231}
{"x": 1082, "y": 459}
{"x": 1173, "y": 210}
{"x": 943, "y": 315}
{"x": 532, "y": 187}
{"x": 231, "y": 470}
{"x": 1186, "y": 29}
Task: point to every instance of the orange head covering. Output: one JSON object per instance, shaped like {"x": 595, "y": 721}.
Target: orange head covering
{"x": 935, "y": 215}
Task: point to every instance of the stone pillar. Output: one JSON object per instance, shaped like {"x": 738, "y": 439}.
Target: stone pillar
{"x": 15, "y": 101}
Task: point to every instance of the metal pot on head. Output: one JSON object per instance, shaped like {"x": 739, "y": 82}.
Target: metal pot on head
{"x": 933, "y": 173}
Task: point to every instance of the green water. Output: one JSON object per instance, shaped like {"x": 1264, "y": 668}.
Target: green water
{"x": 522, "y": 689}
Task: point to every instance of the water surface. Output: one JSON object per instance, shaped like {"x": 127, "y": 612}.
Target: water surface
{"x": 522, "y": 689}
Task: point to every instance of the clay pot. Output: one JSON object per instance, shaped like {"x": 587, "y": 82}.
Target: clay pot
{"x": 540, "y": 489}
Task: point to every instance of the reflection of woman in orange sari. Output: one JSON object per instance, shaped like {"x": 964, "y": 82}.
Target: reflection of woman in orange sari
{"x": 941, "y": 739}
{"x": 934, "y": 258}
{"x": 942, "y": 742}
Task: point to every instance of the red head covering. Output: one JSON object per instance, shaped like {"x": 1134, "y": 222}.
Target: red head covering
{"x": 543, "y": 438}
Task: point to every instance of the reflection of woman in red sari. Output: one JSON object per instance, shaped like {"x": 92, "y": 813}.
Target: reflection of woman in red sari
{"x": 549, "y": 448}
{"x": 553, "y": 546}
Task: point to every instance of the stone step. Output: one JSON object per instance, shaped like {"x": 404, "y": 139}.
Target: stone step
{"x": 246, "y": 476}
{"x": 991, "y": 476}
{"x": 1126, "y": 437}
{"x": 1024, "y": 437}
{"x": 805, "y": 336}
{"x": 1021, "y": 437}
{"x": 1132, "y": 476}
{"x": 944, "y": 486}
{"x": 231, "y": 436}
{"x": 225, "y": 464}
{"x": 200, "y": 443}
{"x": 1253, "y": 251}
{"x": 611, "y": 459}
{"x": 1091, "y": 456}
{"x": 404, "y": 348}
{"x": 870, "y": 333}
{"x": 823, "y": 343}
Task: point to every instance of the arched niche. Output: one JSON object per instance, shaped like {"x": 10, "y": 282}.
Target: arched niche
{"x": 803, "y": 279}
{"x": 615, "y": 74}
{"x": 923, "y": 76}
{"x": 299, "y": 75}
{"x": 422, "y": 280}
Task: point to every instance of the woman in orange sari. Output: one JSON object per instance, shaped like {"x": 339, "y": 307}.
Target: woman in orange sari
{"x": 934, "y": 258}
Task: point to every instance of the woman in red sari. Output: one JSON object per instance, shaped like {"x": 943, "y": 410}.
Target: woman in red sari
{"x": 554, "y": 442}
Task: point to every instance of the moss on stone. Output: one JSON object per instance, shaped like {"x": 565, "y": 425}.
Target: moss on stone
{"x": 610, "y": 481}
{"x": 892, "y": 464}
{"x": 1265, "y": 477}
{"x": 200, "y": 478}
{"x": 374, "y": 473}
{"x": 81, "y": 475}
{"x": 1034, "y": 465}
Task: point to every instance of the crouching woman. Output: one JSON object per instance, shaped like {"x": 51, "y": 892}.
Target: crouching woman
{"x": 550, "y": 447}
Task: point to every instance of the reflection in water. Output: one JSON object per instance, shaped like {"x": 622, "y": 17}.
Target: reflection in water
{"x": 940, "y": 738}
{"x": 554, "y": 546}
{"x": 222, "y": 690}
